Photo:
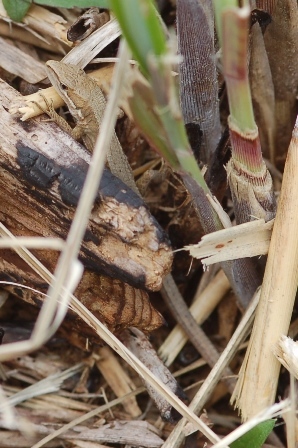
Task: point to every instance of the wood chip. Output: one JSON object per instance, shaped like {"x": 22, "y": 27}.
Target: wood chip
{"x": 245, "y": 240}
{"x": 20, "y": 64}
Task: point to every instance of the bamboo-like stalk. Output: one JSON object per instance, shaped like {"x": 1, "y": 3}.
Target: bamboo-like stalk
{"x": 258, "y": 378}
{"x": 249, "y": 179}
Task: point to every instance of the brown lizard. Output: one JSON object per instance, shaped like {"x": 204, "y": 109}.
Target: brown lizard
{"x": 86, "y": 103}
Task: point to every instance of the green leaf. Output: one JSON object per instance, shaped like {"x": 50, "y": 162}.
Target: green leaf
{"x": 72, "y": 3}
{"x": 16, "y": 9}
{"x": 141, "y": 27}
{"x": 255, "y": 437}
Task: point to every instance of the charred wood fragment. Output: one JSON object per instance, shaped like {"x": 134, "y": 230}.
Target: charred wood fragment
{"x": 42, "y": 175}
{"x": 41, "y": 178}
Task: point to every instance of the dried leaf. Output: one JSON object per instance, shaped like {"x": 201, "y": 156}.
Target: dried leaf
{"x": 198, "y": 76}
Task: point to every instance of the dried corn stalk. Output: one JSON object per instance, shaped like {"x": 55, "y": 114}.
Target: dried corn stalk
{"x": 256, "y": 387}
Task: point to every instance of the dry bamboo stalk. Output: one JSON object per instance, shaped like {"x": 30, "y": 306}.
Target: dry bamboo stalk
{"x": 201, "y": 308}
{"x": 290, "y": 417}
{"x": 117, "y": 379}
{"x": 258, "y": 378}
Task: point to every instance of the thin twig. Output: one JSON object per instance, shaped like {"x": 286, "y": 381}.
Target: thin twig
{"x": 198, "y": 338}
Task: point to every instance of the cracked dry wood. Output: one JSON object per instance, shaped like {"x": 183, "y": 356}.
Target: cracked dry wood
{"x": 42, "y": 173}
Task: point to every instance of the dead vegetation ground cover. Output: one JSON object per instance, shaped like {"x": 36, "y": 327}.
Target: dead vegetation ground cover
{"x": 75, "y": 388}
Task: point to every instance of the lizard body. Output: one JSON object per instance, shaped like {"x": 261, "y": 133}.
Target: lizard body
{"x": 87, "y": 103}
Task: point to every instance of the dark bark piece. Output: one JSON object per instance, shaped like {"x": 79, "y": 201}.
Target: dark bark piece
{"x": 139, "y": 344}
{"x": 243, "y": 274}
{"x": 216, "y": 175}
{"x": 281, "y": 41}
{"x": 198, "y": 76}
{"x": 86, "y": 24}
{"x": 42, "y": 175}
{"x": 262, "y": 90}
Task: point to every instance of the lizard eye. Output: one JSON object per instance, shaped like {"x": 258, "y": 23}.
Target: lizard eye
{"x": 63, "y": 86}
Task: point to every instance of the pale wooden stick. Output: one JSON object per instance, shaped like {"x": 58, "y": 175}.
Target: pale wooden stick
{"x": 117, "y": 379}
{"x": 256, "y": 387}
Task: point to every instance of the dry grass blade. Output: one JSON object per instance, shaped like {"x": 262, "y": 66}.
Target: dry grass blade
{"x": 196, "y": 335}
{"x": 48, "y": 385}
{"x": 143, "y": 371}
{"x": 257, "y": 383}
{"x": 89, "y": 48}
{"x": 118, "y": 379}
{"x": 85, "y": 417}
